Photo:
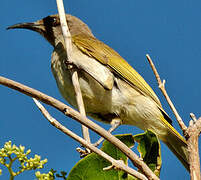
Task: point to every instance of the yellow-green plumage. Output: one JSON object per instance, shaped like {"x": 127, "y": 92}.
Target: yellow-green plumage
{"x": 107, "y": 56}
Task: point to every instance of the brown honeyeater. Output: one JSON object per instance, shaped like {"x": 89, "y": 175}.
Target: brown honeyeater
{"x": 110, "y": 87}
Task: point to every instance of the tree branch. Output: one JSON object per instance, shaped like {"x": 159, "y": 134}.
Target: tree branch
{"x": 88, "y": 145}
{"x": 161, "y": 86}
{"x": 193, "y": 133}
{"x": 83, "y": 120}
{"x": 69, "y": 51}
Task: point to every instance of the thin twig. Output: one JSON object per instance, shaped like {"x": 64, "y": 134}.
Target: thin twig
{"x": 115, "y": 124}
{"x": 115, "y": 163}
{"x": 69, "y": 51}
{"x": 65, "y": 29}
{"x": 83, "y": 120}
{"x": 80, "y": 103}
{"x": 161, "y": 86}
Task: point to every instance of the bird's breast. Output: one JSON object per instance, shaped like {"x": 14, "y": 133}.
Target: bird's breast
{"x": 96, "y": 82}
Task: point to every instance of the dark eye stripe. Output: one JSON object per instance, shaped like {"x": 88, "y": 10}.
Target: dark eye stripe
{"x": 48, "y": 29}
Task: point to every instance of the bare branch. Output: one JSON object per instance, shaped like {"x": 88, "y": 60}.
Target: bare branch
{"x": 115, "y": 163}
{"x": 69, "y": 51}
{"x": 65, "y": 29}
{"x": 115, "y": 124}
{"x": 193, "y": 133}
{"x": 80, "y": 103}
{"x": 161, "y": 86}
{"x": 83, "y": 120}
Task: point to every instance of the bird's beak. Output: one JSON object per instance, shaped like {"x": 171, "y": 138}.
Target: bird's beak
{"x": 37, "y": 26}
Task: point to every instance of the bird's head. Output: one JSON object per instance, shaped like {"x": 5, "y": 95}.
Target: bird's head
{"x": 49, "y": 27}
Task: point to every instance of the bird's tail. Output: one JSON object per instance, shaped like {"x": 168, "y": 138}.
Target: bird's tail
{"x": 178, "y": 146}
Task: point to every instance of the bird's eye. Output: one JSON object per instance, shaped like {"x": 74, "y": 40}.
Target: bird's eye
{"x": 54, "y": 21}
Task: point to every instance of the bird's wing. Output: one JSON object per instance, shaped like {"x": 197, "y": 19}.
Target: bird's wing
{"x": 100, "y": 73}
{"x": 107, "y": 56}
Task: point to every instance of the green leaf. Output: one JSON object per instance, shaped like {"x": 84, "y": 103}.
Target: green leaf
{"x": 91, "y": 167}
{"x": 150, "y": 151}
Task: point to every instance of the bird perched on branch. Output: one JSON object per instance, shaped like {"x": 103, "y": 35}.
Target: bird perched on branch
{"x": 111, "y": 88}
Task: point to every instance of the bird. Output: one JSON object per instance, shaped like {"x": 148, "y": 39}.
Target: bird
{"x": 112, "y": 90}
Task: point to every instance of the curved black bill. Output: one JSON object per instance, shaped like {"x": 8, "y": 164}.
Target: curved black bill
{"x": 31, "y": 26}
{"x": 22, "y": 25}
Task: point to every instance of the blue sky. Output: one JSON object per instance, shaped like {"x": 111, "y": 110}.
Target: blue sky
{"x": 170, "y": 31}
